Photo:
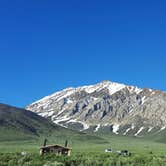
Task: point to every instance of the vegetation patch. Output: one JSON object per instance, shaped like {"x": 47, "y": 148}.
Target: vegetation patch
{"x": 80, "y": 159}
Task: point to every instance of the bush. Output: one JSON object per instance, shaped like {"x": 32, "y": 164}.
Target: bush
{"x": 81, "y": 159}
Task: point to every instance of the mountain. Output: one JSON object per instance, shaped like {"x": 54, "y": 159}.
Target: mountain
{"x": 106, "y": 107}
{"x": 20, "y": 124}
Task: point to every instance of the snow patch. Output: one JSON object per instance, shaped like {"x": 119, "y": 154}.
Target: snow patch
{"x": 163, "y": 128}
{"x": 143, "y": 99}
{"x": 41, "y": 100}
{"x": 150, "y": 90}
{"x": 137, "y": 90}
{"x": 130, "y": 109}
{"x": 69, "y": 101}
{"x": 47, "y": 113}
{"x": 97, "y": 128}
{"x": 106, "y": 124}
{"x": 132, "y": 126}
{"x": 139, "y": 131}
{"x": 85, "y": 126}
{"x": 43, "y": 114}
{"x": 55, "y": 96}
{"x": 150, "y": 129}
{"x": 134, "y": 89}
{"x": 153, "y": 93}
{"x": 127, "y": 130}
{"x": 61, "y": 119}
{"x": 94, "y": 98}
{"x": 111, "y": 86}
{"x": 115, "y": 128}
{"x": 50, "y": 113}
{"x": 90, "y": 88}
{"x": 60, "y": 112}
{"x": 72, "y": 121}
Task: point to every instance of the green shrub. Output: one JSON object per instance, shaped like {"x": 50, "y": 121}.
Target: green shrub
{"x": 2, "y": 163}
{"x": 81, "y": 159}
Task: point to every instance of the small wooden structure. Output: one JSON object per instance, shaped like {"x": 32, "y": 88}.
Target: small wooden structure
{"x": 57, "y": 149}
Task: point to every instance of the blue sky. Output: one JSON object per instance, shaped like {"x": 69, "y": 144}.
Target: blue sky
{"x": 46, "y": 46}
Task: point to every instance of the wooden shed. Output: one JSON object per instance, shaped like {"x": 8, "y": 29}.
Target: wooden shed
{"x": 57, "y": 149}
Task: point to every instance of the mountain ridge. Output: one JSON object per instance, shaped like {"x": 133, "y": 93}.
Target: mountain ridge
{"x": 118, "y": 107}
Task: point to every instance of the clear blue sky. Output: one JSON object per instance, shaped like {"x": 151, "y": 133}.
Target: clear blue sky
{"x": 48, "y": 45}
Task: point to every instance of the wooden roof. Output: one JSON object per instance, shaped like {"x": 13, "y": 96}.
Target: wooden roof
{"x": 55, "y": 146}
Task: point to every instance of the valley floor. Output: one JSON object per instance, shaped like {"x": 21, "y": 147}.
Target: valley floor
{"x": 84, "y": 153}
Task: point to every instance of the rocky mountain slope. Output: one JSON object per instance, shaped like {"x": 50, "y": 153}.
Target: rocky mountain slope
{"x": 106, "y": 106}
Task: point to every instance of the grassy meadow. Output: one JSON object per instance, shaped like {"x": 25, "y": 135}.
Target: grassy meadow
{"x": 85, "y": 153}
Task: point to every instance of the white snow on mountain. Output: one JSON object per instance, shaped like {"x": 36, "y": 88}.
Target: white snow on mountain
{"x": 143, "y": 99}
{"x": 115, "y": 128}
{"x": 85, "y": 126}
{"x": 150, "y": 129}
{"x": 139, "y": 131}
{"x": 163, "y": 128}
{"x": 111, "y": 86}
{"x": 43, "y": 114}
{"x": 57, "y": 121}
{"x": 127, "y": 130}
{"x": 132, "y": 126}
{"x": 97, "y": 128}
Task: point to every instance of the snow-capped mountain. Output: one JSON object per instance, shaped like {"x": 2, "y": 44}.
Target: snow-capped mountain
{"x": 106, "y": 106}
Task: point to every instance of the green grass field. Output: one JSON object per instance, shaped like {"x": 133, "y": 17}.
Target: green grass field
{"x": 86, "y": 153}
{"x": 134, "y": 145}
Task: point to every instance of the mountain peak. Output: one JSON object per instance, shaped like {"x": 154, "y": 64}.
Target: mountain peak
{"x": 105, "y": 104}
{"x": 111, "y": 86}
{"x": 106, "y": 81}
